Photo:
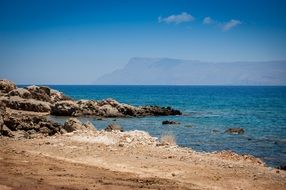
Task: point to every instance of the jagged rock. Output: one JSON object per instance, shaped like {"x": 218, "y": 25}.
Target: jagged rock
{"x": 235, "y": 131}
{"x": 45, "y": 99}
{"x": 31, "y": 125}
{"x": 6, "y": 86}
{"x": 44, "y": 93}
{"x": 65, "y": 108}
{"x": 113, "y": 127}
{"x": 112, "y": 108}
{"x": 167, "y": 122}
{"x": 40, "y": 93}
{"x": 5, "y": 131}
{"x": 15, "y": 102}
{"x": 21, "y": 92}
{"x": 157, "y": 111}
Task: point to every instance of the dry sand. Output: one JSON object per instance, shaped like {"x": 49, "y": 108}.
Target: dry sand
{"x": 128, "y": 160}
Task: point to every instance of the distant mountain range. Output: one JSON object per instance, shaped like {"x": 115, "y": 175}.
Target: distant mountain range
{"x": 166, "y": 71}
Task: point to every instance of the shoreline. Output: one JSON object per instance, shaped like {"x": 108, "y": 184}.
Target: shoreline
{"x": 134, "y": 155}
{"x": 38, "y": 153}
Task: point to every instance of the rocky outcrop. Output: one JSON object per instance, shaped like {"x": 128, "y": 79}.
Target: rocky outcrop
{"x": 168, "y": 122}
{"x": 46, "y": 94}
{"x": 29, "y": 126}
{"x": 21, "y": 92}
{"x": 108, "y": 108}
{"x": 6, "y": 86}
{"x": 45, "y": 99}
{"x": 235, "y": 131}
{"x": 65, "y": 108}
{"x": 17, "y": 103}
{"x": 113, "y": 127}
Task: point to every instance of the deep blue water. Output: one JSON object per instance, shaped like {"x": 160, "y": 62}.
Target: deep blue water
{"x": 261, "y": 111}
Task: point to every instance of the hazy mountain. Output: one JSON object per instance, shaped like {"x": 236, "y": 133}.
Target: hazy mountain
{"x": 163, "y": 71}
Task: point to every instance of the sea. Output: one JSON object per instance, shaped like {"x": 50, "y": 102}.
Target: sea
{"x": 207, "y": 112}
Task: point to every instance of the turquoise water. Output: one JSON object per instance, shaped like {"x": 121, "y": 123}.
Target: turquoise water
{"x": 209, "y": 110}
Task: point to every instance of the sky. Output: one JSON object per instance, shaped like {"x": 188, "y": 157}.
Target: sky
{"x": 75, "y": 42}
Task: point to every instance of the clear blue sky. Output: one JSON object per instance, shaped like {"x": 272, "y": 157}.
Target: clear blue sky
{"x": 74, "y": 42}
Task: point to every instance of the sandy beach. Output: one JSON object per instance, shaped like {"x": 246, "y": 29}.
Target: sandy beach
{"x": 38, "y": 153}
{"x": 117, "y": 160}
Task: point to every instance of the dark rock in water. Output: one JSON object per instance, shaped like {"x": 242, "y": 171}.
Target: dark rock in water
{"x": 235, "y": 131}
{"x": 6, "y": 86}
{"x": 159, "y": 111}
{"x": 215, "y": 130}
{"x": 282, "y": 167}
{"x": 15, "y": 102}
{"x": 65, "y": 108}
{"x": 167, "y": 122}
{"x": 113, "y": 127}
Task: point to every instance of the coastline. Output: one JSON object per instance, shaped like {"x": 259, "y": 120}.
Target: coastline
{"x": 98, "y": 160}
{"x": 41, "y": 154}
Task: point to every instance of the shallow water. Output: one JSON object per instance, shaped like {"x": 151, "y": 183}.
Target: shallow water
{"x": 207, "y": 112}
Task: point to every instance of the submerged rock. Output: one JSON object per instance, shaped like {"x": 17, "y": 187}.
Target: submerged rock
{"x": 235, "y": 131}
{"x": 113, "y": 127}
{"x": 169, "y": 122}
